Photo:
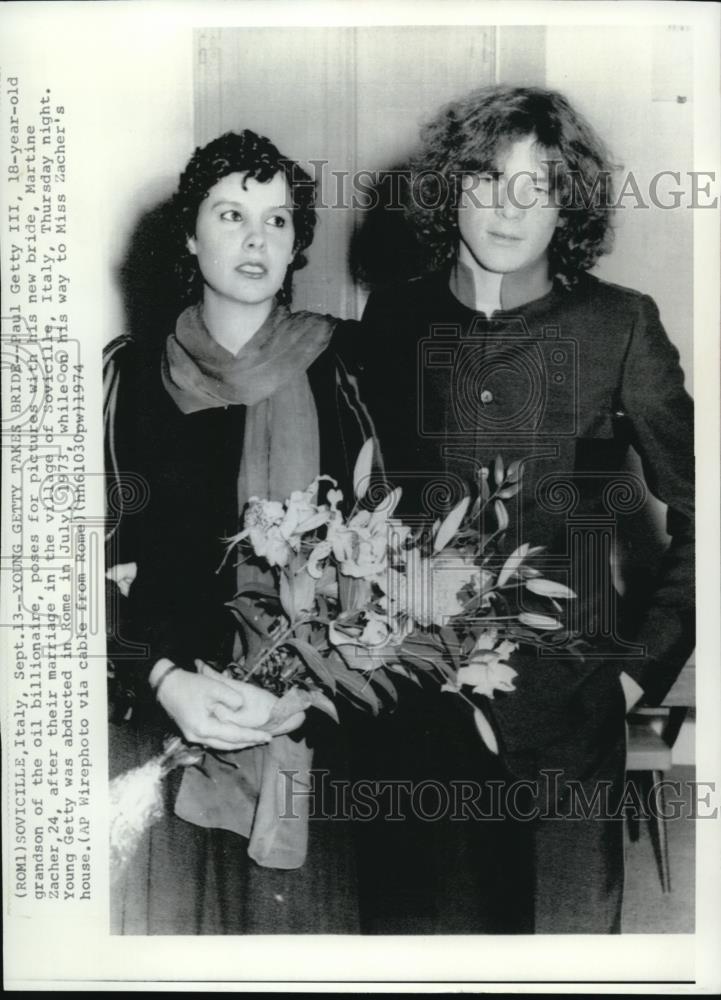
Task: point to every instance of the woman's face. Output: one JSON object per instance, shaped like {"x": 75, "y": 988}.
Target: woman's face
{"x": 244, "y": 238}
{"x": 506, "y": 220}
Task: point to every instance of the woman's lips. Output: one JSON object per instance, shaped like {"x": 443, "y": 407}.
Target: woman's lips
{"x": 250, "y": 270}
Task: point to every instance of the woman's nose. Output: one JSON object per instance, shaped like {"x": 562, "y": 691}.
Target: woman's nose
{"x": 254, "y": 238}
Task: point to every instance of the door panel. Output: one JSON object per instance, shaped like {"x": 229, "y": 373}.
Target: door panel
{"x": 343, "y": 100}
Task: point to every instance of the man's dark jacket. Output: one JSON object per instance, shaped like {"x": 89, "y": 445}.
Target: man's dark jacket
{"x": 567, "y": 384}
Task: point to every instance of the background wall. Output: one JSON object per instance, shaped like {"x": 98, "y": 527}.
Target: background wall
{"x": 142, "y": 153}
{"x": 357, "y": 96}
{"x": 634, "y": 86}
{"x": 351, "y": 98}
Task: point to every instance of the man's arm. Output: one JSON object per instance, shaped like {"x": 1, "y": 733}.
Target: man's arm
{"x": 660, "y": 412}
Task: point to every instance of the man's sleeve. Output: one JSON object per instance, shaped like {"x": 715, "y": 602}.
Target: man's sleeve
{"x": 660, "y": 413}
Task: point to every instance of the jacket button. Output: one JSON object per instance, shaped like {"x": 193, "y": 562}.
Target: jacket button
{"x": 486, "y": 397}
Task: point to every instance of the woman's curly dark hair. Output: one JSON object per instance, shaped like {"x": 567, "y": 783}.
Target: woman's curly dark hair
{"x": 467, "y": 137}
{"x": 256, "y": 156}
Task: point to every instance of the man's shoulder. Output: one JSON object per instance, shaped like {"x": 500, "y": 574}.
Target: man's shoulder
{"x": 606, "y": 296}
{"x": 410, "y": 293}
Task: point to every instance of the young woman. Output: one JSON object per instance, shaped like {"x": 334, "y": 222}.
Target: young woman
{"x": 509, "y": 346}
{"x": 242, "y": 398}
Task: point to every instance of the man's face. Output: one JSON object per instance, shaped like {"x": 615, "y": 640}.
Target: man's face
{"x": 244, "y": 238}
{"x": 505, "y": 219}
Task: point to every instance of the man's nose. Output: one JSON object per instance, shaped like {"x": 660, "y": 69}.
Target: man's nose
{"x": 507, "y": 204}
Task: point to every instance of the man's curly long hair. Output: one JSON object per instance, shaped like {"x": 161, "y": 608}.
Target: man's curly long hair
{"x": 468, "y": 135}
{"x": 257, "y": 157}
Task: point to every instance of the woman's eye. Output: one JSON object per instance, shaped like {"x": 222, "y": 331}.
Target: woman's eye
{"x": 279, "y": 221}
{"x": 231, "y": 215}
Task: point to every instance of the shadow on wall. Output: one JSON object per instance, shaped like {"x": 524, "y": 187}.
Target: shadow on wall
{"x": 384, "y": 249}
{"x": 150, "y": 289}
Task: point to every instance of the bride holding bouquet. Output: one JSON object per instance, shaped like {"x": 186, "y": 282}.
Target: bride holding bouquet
{"x": 243, "y": 398}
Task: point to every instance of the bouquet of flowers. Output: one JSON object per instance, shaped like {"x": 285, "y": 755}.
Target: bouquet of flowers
{"x": 344, "y": 605}
{"x": 356, "y": 600}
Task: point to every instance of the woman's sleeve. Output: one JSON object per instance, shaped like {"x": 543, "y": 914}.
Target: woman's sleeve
{"x": 137, "y": 634}
{"x": 125, "y": 662}
{"x": 660, "y": 413}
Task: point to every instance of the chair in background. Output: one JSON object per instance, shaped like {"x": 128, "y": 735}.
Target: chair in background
{"x": 652, "y": 733}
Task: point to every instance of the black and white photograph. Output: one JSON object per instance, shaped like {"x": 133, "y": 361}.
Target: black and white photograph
{"x": 350, "y": 592}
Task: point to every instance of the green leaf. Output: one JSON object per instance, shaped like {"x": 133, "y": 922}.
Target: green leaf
{"x": 450, "y": 525}
{"x": 501, "y": 515}
{"x": 360, "y": 658}
{"x": 362, "y": 470}
{"x": 248, "y": 614}
{"x": 352, "y": 683}
{"x": 261, "y": 589}
{"x": 514, "y": 472}
{"x": 314, "y": 661}
{"x": 286, "y": 597}
{"x": 526, "y": 572}
{"x": 512, "y": 564}
{"x": 535, "y": 620}
{"x": 382, "y": 680}
{"x": 323, "y": 703}
{"x": 548, "y": 588}
{"x": 304, "y": 632}
{"x": 450, "y": 644}
{"x": 292, "y": 701}
{"x": 420, "y": 644}
{"x": 418, "y": 664}
{"x": 498, "y": 474}
{"x": 354, "y": 593}
{"x": 484, "y": 728}
{"x": 406, "y": 671}
{"x": 485, "y": 488}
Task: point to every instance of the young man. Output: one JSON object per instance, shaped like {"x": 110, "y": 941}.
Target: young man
{"x": 508, "y": 346}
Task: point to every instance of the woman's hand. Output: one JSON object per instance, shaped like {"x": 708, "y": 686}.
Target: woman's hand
{"x": 215, "y": 712}
{"x": 256, "y": 697}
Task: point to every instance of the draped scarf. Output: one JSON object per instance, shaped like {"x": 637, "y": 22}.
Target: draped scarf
{"x": 281, "y": 448}
{"x": 280, "y": 453}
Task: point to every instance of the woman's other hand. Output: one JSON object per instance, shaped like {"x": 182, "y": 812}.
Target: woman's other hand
{"x": 214, "y": 712}
{"x": 257, "y": 697}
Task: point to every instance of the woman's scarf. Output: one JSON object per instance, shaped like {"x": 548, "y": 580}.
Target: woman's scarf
{"x": 281, "y": 453}
{"x": 281, "y": 448}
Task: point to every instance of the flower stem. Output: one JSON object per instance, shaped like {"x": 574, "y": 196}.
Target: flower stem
{"x": 277, "y": 643}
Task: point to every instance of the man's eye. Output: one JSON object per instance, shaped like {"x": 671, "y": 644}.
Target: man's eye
{"x": 231, "y": 215}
